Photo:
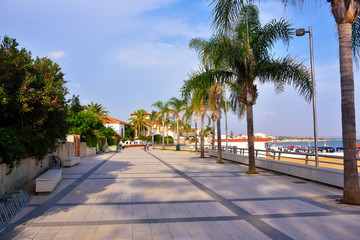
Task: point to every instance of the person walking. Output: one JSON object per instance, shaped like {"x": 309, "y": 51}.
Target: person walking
{"x": 147, "y": 145}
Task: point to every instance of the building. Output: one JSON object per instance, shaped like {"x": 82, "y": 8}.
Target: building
{"x": 117, "y": 125}
{"x": 157, "y": 127}
{"x": 259, "y": 143}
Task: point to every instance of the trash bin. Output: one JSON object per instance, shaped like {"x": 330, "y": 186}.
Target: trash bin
{"x": 178, "y": 147}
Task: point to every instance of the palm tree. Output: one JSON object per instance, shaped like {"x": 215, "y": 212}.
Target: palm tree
{"x": 140, "y": 122}
{"x": 167, "y": 123}
{"x": 177, "y": 107}
{"x": 153, "y": 119}
{"x": 197, "y": 88}
{"x": 213, "y": 59}
{"x": 187, "y": 128}
{"x": 247, "y": 52}
{"x": 163, "y": 110}
{"x": 345, "y": 13}
{"x": 96, "y": 108}
{"x": 213, "y": 118}
{"x": 190, "y": 110}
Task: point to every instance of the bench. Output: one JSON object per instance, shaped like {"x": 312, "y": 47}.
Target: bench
{"x": 48, "y": 180}
{"x": 71, "y": 162}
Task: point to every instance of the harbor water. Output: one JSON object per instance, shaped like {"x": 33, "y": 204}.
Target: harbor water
{"x": 330, "y": 143}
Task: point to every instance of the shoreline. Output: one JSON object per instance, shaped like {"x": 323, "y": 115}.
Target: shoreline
{"x": 302, "y": 140}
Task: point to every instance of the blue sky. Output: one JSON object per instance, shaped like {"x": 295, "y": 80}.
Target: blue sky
{"x": 128, "y": 54}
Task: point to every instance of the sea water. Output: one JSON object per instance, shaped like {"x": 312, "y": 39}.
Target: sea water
{"x": 330, "y": 143}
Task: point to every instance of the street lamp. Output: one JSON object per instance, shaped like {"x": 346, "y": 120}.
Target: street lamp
{"x": 301, "y": 32}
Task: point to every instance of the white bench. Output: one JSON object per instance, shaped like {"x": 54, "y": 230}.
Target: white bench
{"x": 71, "y": 162}
{"x": 48, "y": 180}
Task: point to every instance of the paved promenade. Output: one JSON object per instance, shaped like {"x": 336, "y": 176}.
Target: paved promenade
{"x": 157, "y": 194}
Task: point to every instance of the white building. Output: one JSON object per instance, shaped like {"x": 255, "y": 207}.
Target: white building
{"x": 260, "y": 143}
{"x": 157, "y": 127}
{"x": 117, "y": 125}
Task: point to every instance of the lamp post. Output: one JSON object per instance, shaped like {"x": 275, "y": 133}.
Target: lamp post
{"x": 301, "y": 32}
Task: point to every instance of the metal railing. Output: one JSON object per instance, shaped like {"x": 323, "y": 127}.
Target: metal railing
{"x": 325, "y": 160}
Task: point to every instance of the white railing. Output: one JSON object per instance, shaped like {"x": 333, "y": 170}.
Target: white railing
{"x": 304, "y": 158}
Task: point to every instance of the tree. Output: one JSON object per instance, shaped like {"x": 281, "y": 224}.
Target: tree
{"x": 75, "y": 105}
{"x": 33, "y": 108}
{"x": 187, "y": 129}
{"x": 212, "y": 59}
{"x": 346, "y": 14}
{"x": 96, "y": 108}
{"x": 192, "y": 109}
{"x": 177, "y": 106}
{"x": 247, "y": 51}
{"x": 129, "y": 132}
{"x": 197, "y": 88}
{"x": 167, "y": 123}
{"x": 164, "y": 110}
{"x": 153, "y": 119}
{"x": 140, "y": 122}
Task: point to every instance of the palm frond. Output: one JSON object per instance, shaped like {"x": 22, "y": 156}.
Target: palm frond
{"x": 355, "y": 39}
{"x": 287, "y": 71}
{"x": 225, "y": 14}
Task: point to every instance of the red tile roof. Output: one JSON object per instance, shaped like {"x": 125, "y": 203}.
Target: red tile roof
{"x": 110, "y": 120}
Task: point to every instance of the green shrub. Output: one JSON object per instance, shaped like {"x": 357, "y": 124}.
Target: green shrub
{"x": 33, "y": 107}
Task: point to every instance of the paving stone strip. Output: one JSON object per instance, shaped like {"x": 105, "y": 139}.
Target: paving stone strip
{"x": 265, "y": 217}
{"x": 257, "y": 223}
{"x": 12, "y": 229}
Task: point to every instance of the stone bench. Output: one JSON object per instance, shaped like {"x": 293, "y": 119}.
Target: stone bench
{"x": 71, "y": 162}
{"x": 48, "y": 180}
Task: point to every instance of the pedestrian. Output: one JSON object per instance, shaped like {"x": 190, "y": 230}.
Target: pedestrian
{"x": 123, "y": 146}
{"x": 147, "y": 145}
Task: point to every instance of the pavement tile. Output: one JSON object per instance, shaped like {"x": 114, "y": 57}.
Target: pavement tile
{"x": 85, "y": 232}
{"x": 123, "y": 232}
{"x": 279, "y": 207}
{"x": 141, "y": 232}
{"x": 113, "y": 202}
{"x": 160, "y": 231}
{"x": 333, "y": 227}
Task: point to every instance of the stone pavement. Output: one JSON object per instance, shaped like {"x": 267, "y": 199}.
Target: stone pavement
{"x": 157, "y": 194}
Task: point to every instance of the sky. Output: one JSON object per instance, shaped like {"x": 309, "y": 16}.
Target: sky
{"x": 128, "y": 54}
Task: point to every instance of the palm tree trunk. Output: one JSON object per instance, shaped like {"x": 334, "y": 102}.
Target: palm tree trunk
{"x": 167, "y": 136}
{"x": 163, "y": 135}
{"x": 195, "y": 136}
{"x": 152, "y": 137}
{"x": 202, "y": 140}
{"x": 250, "y": 132}
{"x": 177, "y": 130}
{"x": 213, "y": 136}
{"x": 219, "y": 159}
{"x": 351, "y": 192}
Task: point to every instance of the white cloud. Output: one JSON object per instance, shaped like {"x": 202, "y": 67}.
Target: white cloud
{"x": 157, "y": 28}
{"x": 122, "y": 8}
{"x": 77, "y": 85}
{"x": 269, "y": 113}
{"x": 270, "y": 10}
{"x": 57, "y": 55}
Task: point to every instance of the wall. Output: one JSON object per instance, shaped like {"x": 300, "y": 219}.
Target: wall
{"x": 29, "y": 169}
{"x": 329, "y": 176}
